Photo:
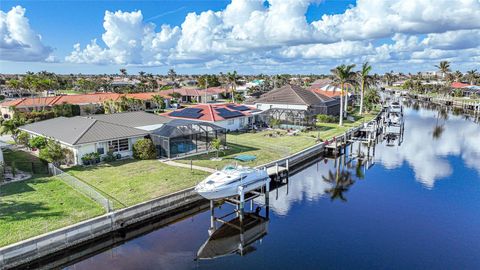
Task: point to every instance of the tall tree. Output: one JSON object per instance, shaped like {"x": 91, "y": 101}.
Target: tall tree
{"x": 123, "y": 71}
{"x": 471, "y": 76}
{"x": 364, "y": 81}
{"x": 232, "y": 78}
{"x": 444, "y": 68}
{"x": 343, "y": 75}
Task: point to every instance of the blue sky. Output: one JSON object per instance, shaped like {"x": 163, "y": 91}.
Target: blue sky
{"x": 276, "y": 36}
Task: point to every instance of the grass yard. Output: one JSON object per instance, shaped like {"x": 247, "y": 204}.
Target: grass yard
{"x": 129, "y": 182}
{"x": 23, "y": 161}
{"x": 267, "y": 147}
{"x": 40, "y": 205}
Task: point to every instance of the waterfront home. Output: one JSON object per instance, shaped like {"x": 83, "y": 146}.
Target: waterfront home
{"x": 83, "y": 135}
{"x": 229, "y": 116}
{"x": 118, "y": 132}
{"x": 467, "y": 89}
{"x": 296, "y": 106}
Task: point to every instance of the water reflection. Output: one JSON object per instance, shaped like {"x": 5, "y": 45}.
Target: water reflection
{"x": 429, "y": 157}
{"x": 235, "y": 237}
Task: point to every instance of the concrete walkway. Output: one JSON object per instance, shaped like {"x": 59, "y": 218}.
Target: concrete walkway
{"x": 176, "y": 164}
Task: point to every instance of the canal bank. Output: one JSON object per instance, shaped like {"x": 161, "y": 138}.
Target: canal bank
{"x": 69, "y": 237}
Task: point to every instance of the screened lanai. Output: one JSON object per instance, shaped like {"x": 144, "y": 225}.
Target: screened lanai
{"x": 183, "y": 137}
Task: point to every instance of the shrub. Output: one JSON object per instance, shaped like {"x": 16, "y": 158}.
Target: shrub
{"x": 23, "y": 138}
{"x": 109, "y": 157}
{"x": 144, "y": 149}
{"x": 91, "y": 158}
{"x": 323, "y": 118}
{"x": 52, "y": 152}
{"x": 38, "y": 142}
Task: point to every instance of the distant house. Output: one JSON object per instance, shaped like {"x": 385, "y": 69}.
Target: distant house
{"x": 294, "y": 105}
{"x": 467, "y": 89}
{"x": 88, "y": 103}
{"x": 118, "y": 132}
{"x": 229, "y": 116}
{"x": 193, "y": 95}
{"x": 327, "y": 88}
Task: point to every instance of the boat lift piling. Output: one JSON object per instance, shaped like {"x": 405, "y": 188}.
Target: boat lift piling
{"x": 239, "y": 202}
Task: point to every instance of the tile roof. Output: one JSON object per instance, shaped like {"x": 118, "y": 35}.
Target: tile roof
{"x": 459, "y": 85}
{"x": 96, "y": 98}
{"x": 209, "y": 112}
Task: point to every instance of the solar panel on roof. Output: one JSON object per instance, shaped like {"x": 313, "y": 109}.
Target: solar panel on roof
{"x": 193, "y": 113}
{"x": 227, "y": 113}
{"x": 238, "y": 108}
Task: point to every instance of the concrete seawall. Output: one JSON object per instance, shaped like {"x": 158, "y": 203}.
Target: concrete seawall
{"x": 43, "y": 245}
{"x": 37, "y": 247}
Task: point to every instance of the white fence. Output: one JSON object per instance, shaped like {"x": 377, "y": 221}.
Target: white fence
{"x": 82, "y": 187}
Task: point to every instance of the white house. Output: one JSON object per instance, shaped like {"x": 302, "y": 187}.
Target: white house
{"x": 229, "y": 116}
{"x": 84, "y": 135}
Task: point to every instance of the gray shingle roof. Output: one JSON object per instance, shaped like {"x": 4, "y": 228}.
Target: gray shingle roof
{"x": 132, "y": 119}
{"x": 80, "y": 130}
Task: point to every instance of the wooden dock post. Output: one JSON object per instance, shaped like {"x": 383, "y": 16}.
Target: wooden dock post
{"x": 288, "y": 167}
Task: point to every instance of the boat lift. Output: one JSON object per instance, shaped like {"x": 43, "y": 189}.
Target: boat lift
{"x": 239, "y": 202}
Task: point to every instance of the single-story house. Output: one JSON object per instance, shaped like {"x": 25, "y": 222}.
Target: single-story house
{"x": 83, "y": 135}
{"x": 118, "y": 132}
{"x": 88, "y": 103}
{"x": 294, "y": 105}
{"x": 467, "y": 89}
{"x": 229, "y": 116}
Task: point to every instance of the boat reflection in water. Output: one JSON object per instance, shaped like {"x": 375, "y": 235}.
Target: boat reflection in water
{"x": 235, "y": 237}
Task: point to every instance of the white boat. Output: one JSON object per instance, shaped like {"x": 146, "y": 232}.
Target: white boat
{"x": 396, "y": 118}
{"x": 395, "y": 107}
{"x": 226, "y": 183}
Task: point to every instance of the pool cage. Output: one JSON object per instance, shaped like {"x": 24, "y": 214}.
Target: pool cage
{"x": 291, "y": 117}
{"x": 184, "y": 137}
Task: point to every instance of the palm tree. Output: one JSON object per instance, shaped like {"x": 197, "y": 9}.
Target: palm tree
{"x": 123, "y": 71}
{"x": 458, "y": 76}
{"x": 471, "y": 76}
{"x": 232, "y": 79}
{"x": 364, "y": 81}
{"x": 444, "y": 68}
{"x": 388, "y": 77}
{"x": 159, "y": 101}
{"x": 342, "y": 181}
{"x": 343, "y": 75}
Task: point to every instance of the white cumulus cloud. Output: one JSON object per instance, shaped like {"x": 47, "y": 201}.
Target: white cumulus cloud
{"x": 18, "y": 42}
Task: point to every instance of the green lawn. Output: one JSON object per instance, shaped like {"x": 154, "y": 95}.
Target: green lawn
{"x": 130, "y": 182}
{"x": 267, "y": 147}
{"x": 23, "y": 161}
{"x": 40, "y": 205}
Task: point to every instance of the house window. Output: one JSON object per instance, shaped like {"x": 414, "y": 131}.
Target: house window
{"x": 101, "y": 150}
{"x": 118, "y": 145}
{"x": 242, "y": 121}
{"x": 231, "y": 122}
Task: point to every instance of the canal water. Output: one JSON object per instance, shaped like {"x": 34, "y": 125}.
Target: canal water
{"x": 413, "y": 202}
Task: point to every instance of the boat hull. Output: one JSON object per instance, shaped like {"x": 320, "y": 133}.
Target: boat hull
{"x": 232, "y": 190}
